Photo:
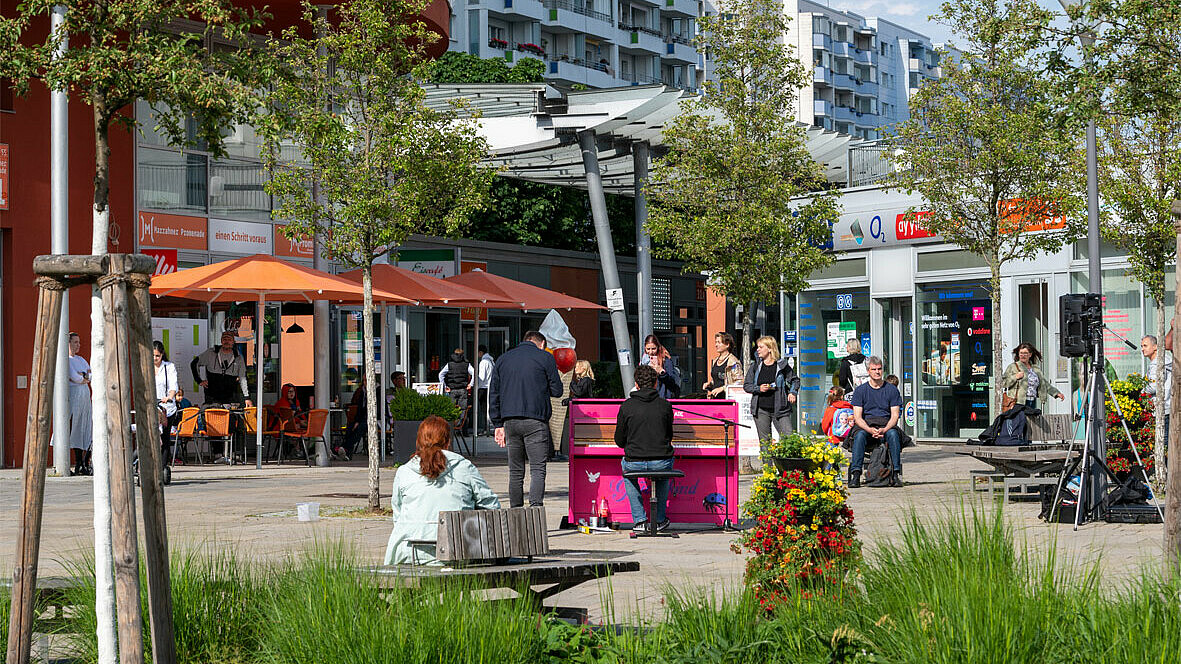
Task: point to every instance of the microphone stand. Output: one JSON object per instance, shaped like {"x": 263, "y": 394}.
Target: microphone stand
{"x": 727, "y": 524}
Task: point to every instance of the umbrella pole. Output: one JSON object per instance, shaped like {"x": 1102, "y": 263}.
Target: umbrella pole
{"x": 258, "y": 341}
{"x": 385, "y": 352}
{"x": 476, "y": 391}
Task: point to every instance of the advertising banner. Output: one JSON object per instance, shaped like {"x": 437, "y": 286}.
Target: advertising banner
{"x": 4, "y": 176}
{"x": 166, "y": 262}
{"x": 172, "y": 231}
{"x": 239, "y": 237}
{"x": 304, "y": 247}
{"x": 435, "y": 262}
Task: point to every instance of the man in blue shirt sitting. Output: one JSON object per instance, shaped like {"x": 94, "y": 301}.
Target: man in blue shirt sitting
{"x": 876, "y": 405}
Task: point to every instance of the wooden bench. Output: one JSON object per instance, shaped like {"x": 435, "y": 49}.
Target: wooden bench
{"x": 482, "y": 535}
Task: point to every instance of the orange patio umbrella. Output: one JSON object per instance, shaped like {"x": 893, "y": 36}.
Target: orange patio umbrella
{"x": 262, "y": 277}
{"x": 431, "y": 291}
{"x": 530, "y": 297}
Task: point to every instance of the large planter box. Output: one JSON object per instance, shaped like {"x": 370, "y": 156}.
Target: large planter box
{"x": 405, "y": 435}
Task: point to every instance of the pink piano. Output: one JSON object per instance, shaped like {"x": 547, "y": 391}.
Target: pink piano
{"x": 705, "y": 448}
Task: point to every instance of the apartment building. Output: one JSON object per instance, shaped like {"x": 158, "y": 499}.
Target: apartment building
{"x": 864, "y": 70}
{"x": 592, "y": 43}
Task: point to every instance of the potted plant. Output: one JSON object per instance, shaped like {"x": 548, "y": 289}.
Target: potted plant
{"x": 407, "y": 410}
{"x": 792, "y": 452}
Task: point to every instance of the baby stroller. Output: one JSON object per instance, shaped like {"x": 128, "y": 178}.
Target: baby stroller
{"x": 165, "y": 454}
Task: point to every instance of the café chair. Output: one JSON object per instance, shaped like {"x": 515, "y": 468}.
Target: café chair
{"x": 317, "y": 422}
{"x": 286, "y": 425}
{"x": 218, "y": 426}
{"x": 186, "y": 432}
{"x": 250, "y": 419}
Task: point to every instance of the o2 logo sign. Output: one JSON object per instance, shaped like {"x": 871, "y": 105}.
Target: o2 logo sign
{"x": 844, "y": 301}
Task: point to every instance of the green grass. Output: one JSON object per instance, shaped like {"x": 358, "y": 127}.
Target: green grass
{"x": 957, "y": 589}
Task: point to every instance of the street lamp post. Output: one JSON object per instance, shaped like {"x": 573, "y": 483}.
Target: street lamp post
{"x": 1094, "y": 269}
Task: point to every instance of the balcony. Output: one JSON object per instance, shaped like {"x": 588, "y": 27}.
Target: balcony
{"x": 843, "y": 82}
{"x": 576, "y": 70}
{"x": 842, "y": 49}
{"x": 865, "y": 57}
{"x": 516, "y": 10}
{"x": 679, "y": 8}
{"x": 821, "y": 108}
{"x": 679, "y": 50}
{"x": 822, "y": 75}
{"x": 820, "y": 40}
{"x": 642, "y": 38}
{"x": 574, "y": 15}
{"x": 845, "y": 114}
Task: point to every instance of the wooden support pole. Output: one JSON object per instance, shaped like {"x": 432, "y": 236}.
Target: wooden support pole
{"x": 28, "y": 537}
{"x": 150, "y": 463}
{"x": 124, "y": 541}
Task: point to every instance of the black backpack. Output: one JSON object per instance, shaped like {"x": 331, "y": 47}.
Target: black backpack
{"x": 879, "y": 472}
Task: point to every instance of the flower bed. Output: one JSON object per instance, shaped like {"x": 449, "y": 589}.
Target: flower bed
{"x": 803, "y": 539}
{"x": 1139, "y": 413}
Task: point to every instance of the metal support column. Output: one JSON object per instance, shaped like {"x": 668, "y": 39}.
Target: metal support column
{"x": 640, "y": 159}
{"x": 59, "y": 200}
{"x": 321, "y": 324}
{"x": 598, "y": 202}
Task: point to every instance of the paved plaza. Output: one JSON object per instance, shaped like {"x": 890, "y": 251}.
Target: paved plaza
{"x": 253, "y": 513}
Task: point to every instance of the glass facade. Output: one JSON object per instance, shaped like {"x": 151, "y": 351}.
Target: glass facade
{"x": 826, "y": 320}
{"x": 955, "y": 353}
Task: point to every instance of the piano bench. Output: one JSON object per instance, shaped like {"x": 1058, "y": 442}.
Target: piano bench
{"x": 651, "y": 476}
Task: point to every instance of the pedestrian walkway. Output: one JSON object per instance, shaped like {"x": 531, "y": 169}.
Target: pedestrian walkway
{"x": 253, "y": 512}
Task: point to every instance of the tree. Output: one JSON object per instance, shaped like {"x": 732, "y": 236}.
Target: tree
{"x": 112, "y": 53}
{"x": 453, "y": 67}
{"x": 988, "y": 147}
{"x": 348, "y": 114}
{"x": 721, "y": 198}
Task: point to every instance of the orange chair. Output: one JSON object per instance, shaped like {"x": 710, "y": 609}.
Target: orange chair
{"x": 287, "y": 426}
{"x": 317, "y": 422}
{"x": 250, "y": 418}
{"x": 186, "y": 431}
{"x": 217, "y": 425}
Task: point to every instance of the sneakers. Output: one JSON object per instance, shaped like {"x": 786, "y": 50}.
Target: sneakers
{"x": 640, "y": 527}
{"x": 896, "y": 479}
{"x": 663, "y": 525}
{"x": 854, "y": 479}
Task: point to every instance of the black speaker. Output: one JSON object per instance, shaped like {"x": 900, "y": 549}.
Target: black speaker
{"x": 1078, "y": 314}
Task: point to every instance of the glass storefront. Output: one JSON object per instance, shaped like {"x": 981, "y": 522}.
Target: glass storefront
{"x": 955, "y": 352}
{"x": 1123, "y": 313}
{"x": 827, "y": 319}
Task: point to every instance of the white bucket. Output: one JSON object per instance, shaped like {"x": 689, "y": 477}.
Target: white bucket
{"x": 307, "y": 511}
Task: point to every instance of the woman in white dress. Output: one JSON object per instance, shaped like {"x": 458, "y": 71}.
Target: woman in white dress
{"x": 80, "y": 422}
{"x": 166, "y": 387}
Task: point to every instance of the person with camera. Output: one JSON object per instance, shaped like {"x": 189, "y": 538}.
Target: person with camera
{"x": 1023, "y": 383}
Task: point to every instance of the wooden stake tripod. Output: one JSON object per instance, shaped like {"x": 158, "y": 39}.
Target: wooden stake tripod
{"x": 123, "y": 280}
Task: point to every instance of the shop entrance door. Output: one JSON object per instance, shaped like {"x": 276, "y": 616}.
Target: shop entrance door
{"x": 897, "y": 350}
{"x": 1033, "y": 315}
{"x": 495, "y": 338}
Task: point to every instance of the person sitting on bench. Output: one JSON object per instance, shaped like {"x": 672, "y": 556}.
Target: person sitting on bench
{"x": 434, "y": 480}
{"x": 644, "y": 429}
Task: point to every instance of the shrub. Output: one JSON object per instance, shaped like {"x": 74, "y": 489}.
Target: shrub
{"x": 411, "y": 406}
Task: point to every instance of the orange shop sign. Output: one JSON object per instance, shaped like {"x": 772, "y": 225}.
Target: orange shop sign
{"x": 172, "y": 231}
{"x": 303, "y": 247}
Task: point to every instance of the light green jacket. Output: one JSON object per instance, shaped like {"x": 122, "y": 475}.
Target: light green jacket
{"x": 417, "y": 501}
{"x": 1016, "y": 387}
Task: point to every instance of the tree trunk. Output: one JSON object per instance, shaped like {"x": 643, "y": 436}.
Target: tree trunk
{"x": 747, "y": 330}
{"x": 1159, "y": 453}
{"x": 998, "y": 359}
{"x": 371, "y": 394}
{"x": 104, "y": 598}
{"x": 1173, "y": 492}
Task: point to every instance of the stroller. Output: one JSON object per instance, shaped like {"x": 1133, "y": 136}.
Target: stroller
{"x": 165, "y": 454}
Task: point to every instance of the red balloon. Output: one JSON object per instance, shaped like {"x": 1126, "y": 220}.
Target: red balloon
{"x": 565, "y": 357}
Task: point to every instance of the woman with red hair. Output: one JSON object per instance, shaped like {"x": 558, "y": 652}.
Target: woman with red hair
{"x": 434, "y": 480}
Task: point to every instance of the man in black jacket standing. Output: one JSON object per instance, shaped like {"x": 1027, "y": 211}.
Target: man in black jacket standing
{"x": 523, "y": 380}
{"x": 644, "y": 429}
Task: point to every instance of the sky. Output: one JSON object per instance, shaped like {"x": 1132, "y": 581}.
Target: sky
{"x": 913, "y": 14}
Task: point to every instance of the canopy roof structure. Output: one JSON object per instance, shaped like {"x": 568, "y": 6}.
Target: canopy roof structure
{"x": 532, "y": 130}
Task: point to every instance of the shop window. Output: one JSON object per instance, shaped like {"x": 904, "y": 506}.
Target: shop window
{"x": 827, "y": 320}
{"x": 1123, "y": 313}
{"x": 937, "y": 261}
{"x": 842, "y": 269}
{"x": 171, "y": 181}
{"x": 236, "y": 190}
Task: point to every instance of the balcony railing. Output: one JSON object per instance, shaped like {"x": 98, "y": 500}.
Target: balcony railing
{"x": 580, "y": 62}
{"x": 672, "y": 38}
{"x": 641, "y": 79}
{"x": 640, "y": 28}
{"x": 576, "y": 8}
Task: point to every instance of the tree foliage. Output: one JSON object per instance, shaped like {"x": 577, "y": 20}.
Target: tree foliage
{"x": 988, "y": 146}
{"x": 722, "y": 195}
{"x": 355, "y": 154}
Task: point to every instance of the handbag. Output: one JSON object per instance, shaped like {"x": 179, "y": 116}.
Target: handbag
{"x": 1007, "y": 401}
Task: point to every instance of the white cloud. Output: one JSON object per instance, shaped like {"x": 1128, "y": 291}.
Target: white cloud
{"x": 883, "y": 8}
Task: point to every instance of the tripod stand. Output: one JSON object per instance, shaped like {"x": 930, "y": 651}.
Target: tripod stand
{"x": 1093, "y": 498}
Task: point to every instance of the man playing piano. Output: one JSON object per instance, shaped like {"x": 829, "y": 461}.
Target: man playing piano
{"x": 644, "y": 429}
